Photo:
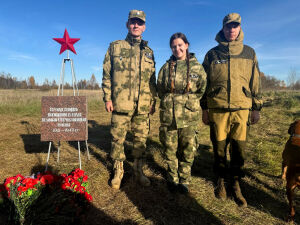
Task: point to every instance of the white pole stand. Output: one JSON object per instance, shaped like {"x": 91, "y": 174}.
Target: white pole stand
{"x": 60, "y": 92}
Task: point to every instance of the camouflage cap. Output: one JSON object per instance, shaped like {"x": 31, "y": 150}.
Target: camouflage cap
{"x": 232, "y": 18}
{"x": 137, "y": 14}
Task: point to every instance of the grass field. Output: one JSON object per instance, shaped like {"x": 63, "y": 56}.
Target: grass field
{"x": 22, "y": 152}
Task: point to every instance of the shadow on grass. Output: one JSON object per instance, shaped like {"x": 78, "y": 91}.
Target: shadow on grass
{"x": 57, "y": 206}
{"x": 98, "y": 135}
{"x": 203, "y": 163}
{"x": 294, "y": 115}
{"x": 157, "y": 204}
{"x": 263, "y": 201}
{"x": 32, "y": 142}
{"x": 154, "y": 167}
{"x": 256, "y": 197}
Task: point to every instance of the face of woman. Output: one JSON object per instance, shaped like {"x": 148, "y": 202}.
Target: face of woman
{"x": 179, "y": 48}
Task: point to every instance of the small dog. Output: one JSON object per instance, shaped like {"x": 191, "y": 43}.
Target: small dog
{"x": 291, "y": 165}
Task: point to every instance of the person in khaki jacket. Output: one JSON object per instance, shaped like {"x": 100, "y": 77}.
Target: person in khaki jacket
{"x": 231, "y": 102}
{"x": 129, "y": 89}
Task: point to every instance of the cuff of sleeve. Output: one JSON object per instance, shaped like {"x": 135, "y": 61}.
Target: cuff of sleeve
{"x": 106, "y": 99}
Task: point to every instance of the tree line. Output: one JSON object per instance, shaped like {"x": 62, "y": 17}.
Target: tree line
{"x": 7, "y": 81}
{"x": 271, "y": 83}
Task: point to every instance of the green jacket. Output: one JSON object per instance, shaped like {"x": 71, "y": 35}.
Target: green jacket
{"x": 181, "y": 104}
{"x": 129, "y": 75}
{"x": 233, "y": 77}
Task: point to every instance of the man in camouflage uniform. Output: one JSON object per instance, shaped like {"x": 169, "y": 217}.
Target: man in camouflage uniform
{"x": 129, "y": 93}
{"x": 232, "y": 93}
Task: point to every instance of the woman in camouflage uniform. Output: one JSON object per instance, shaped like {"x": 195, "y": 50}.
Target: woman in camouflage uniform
{"x": 180, "y": 85}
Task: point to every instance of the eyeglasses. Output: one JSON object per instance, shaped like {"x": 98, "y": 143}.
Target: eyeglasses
{"x": 136, "y": 21}
{"x": 232, "y": 25}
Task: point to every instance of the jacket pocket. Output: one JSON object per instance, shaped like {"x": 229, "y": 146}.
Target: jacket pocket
{"x": 193, "y": 103}
{"x": 119, "y": 62}
{"x": 192, "y": 109}
{"x": 247, "y": 93}
{"x": 166, "y": 110}
{"x": 165, "y": 117}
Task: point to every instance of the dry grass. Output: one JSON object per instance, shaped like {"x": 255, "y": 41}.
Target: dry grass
{"x": 24, "y": 96}
{"x": 22, "y": 152}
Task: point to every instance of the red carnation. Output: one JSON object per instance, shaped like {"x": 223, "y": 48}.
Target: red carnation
{"x": 88, "y": 196}
{"x": 47, "y": 179}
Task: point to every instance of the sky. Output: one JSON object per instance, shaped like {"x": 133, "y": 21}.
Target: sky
{"x": 271, "y": 27}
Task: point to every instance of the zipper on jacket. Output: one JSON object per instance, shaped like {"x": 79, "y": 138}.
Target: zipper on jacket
{"x": 228, "y": 82}
{"x": 140, "y": 74}
{"x": 130, "y": 61}
{"x": 135, "y": 78}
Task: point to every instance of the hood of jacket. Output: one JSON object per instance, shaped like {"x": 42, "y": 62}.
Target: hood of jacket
{"x": 232, "y": 47}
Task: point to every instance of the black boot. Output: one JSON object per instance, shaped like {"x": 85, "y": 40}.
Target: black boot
{"x": 220, "y": 191}
{"x": 239, "y": 198}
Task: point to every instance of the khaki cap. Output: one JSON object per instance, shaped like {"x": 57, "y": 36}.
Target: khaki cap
{"x": 137, "y": 14}
{"x": 232, "y": 18}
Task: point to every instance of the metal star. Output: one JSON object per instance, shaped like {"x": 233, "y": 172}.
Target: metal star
{"x": 66, "y": 42}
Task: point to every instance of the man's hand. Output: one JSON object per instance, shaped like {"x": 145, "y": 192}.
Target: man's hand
{"x": 205, "y": 118}
{"x": 109, "y": 106}
{"x": 254, "y": 117}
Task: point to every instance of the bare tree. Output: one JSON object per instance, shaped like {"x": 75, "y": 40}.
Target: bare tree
{"x": 93, "y": 82}
{"x": 271, "y": 83}
{"x": 292, "y": 78}
{"x": 53, "y": 84}
{"x": 46, "y": 85}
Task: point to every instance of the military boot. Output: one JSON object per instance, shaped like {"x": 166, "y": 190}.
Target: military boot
{"x": 138, "y": 172}
{"x": 220, "y": 191}
{"x": 118, "y": 175}
{"x": 239, "y": 198}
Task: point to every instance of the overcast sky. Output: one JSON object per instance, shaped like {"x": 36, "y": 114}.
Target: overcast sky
{"x": 271, "y": 27}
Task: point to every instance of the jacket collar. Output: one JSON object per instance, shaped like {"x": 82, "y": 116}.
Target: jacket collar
{"x": 133, "y": 41}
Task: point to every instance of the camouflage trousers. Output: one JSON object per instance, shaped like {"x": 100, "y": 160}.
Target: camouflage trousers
{"x": 120, "y": 124}
{"x": 180, "y": 147}
{"x": 229, "y": 127}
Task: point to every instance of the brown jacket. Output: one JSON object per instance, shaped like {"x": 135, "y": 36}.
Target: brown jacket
{"x": 233, "y": 80}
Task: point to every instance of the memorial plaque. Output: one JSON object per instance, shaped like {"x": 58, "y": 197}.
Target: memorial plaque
{"x": 64, "y": 118}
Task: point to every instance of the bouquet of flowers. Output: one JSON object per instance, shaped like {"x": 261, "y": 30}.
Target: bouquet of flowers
{"x": 46, "y": 198}
{"x": 76, "y": 182}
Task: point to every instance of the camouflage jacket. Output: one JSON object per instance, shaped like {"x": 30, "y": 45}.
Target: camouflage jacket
{"x": 233, "y": 77}
{"x": 180, "y": 104}
{"x": 129, "y": 68}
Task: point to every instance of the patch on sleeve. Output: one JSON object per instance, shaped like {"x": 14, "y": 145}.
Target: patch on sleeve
{"x": 194, "y": 76}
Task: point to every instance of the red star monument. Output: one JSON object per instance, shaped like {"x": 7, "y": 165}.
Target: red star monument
{"x": 66, "y": 42}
